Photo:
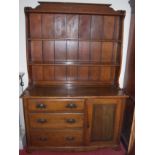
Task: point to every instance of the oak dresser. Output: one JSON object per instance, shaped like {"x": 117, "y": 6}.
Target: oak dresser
{"x": 73, "y": 101}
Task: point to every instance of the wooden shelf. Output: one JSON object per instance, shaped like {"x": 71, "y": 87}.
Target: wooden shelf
{"x": 74, "y": 91}
{"x": 74, "y": 39}
{"x": 72, "y": 63}
{"x": 67, "y": 47}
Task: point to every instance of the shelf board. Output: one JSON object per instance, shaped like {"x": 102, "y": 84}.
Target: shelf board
{"x": 73, "y": 63}
{"x": 68, "y": 90}
{"x": 74, "y": 39}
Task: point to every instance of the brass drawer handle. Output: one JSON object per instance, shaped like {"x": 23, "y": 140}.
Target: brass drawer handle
{"x": 41, "y": 120}
{"x": 71, "y": 105}
{"x": 70, "y": 120}
{"x": 41, "y": 106}
{"x": 43, "y": 139}
{"x": 70, "y": 138}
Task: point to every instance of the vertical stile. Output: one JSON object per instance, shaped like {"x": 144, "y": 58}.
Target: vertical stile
{"x": 28, "y": 48}
{"x": 78, "y": 46}
{"x": 101, "y": 61}
{"x": 54, "y": 46}
{"x": 66, "y": 24}
{"x": 42, "y": 61}
{"x": 77, "y": 58}
{"x": 119, "y": 50}
{"x": 112, "y": 57}
{"x": 90, "y": 42}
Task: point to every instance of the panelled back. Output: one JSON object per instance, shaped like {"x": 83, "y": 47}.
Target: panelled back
{"x": 74, "y": 48}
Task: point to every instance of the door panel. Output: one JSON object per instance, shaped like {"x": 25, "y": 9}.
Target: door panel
{"x": 104, "y": 121}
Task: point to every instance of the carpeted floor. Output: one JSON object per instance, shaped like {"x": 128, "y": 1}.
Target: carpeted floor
{"x": 98, "y": 152}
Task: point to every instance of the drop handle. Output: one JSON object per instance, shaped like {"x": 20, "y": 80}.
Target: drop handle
{"x": 70, "y": 138}
{"x": 41, "y": 106}
{"x": 43, "y": 139}
{"x": 71, "y": 105}
{"x": 70, "y": 120}
{"x": 41, "y": 120}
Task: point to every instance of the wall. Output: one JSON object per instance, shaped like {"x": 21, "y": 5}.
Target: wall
{"x": 116, "y": 4}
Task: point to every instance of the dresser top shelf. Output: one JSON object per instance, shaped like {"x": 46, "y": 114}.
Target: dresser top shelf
{"x": 73, "y": 91}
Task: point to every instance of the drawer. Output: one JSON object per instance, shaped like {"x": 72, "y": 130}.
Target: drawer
{"x": 55, "y": 105}
{"x": 56, "y": 138}
{"x": 56, "y": 120}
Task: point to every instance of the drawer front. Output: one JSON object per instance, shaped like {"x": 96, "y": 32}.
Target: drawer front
{"x": 56, "y": 120}
{"x": 56, "y": 138}
{"x": 42, "y": 105}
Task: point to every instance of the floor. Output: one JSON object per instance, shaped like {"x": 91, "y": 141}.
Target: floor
{"x": 98, "y": 152}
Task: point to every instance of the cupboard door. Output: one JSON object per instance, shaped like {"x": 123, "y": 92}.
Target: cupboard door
{"x": 104, "y": 121}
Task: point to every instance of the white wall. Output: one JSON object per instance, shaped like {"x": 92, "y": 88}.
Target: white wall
{"x": 116, "y": 4}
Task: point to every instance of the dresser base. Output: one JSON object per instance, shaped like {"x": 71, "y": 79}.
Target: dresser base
{"x": 72, "y": 149}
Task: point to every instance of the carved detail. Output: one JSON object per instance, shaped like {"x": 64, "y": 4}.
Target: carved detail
{"x": 78, "y": 8}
